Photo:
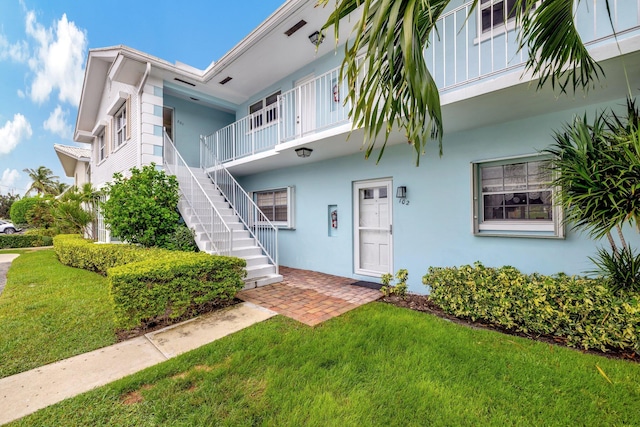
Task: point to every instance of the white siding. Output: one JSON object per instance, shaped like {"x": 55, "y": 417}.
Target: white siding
{"x": 126, "y": 156}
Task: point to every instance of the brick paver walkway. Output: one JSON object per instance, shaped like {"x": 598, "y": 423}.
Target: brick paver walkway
{"x": 310, "y": 297}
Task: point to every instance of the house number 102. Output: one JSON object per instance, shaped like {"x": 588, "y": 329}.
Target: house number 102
{"x": 404, "y": 201}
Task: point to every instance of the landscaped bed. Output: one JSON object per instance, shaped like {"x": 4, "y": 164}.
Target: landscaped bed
{"x": 376, "y": 365}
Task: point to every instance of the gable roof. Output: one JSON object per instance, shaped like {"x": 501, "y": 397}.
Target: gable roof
{"x": 262, "y": 58}
{"x": 69, "y": 156}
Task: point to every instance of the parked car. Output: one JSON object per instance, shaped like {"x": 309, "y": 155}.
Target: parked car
{"x": 7, "y": 227}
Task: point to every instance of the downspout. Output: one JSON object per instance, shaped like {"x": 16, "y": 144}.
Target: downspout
{"x": 139, "y": 94}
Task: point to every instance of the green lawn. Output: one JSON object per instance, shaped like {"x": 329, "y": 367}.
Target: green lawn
{"x": 49, "y": 312}
{"x": 377, "y": 365}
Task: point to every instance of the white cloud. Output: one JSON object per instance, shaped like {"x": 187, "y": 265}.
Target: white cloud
{"x": 18, "y": 52}
{"x": 58, "y": 60}
{"x": 14, "y": 132}
{"x": 57, "y": 123}
{"x": 21, "y": 94}
{"x": 8, "y": 180}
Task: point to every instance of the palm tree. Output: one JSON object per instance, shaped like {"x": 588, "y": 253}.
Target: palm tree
{"x": 59, "y": 187}
{"x": 398, "y": 88}
{"x": 43, "y": 180}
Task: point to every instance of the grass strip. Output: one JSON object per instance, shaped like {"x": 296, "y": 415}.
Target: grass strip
{"x": 50, "y": 312}
{"x": 376, "y": 365}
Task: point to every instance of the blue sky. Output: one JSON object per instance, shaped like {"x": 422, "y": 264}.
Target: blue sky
{"x": 43, "y": 50}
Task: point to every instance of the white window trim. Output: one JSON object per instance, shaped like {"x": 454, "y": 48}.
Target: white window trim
{"x": 116, "y": 130}
{"x": 262, "y": 112}
{"x": 289, "y": 224}
{"x": 533, "y": 229}
{"x": 102, "y": 144}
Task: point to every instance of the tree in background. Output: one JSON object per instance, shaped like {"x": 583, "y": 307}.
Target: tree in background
{"x": 20, "y": 208}
{"x": 74, "y": 211}
{"x": 5, "y": 204}
{"x": 142, "y": 208}
{"x": 43, "y": 181}
{"x": 392, "y": 85}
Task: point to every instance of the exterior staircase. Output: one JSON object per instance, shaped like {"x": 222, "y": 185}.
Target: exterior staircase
{"x": 260, "y": 271}
{"x": 219, "y": 228}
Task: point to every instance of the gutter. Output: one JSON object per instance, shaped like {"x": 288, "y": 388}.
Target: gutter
{"x": 139, "y": 94}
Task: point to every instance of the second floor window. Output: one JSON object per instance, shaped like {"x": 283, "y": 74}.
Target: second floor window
{"x": 264, "y": 111}
{"x": 496, "y": 13}
{"x": 121, "y": 126}
{"x": 102, "y": 148}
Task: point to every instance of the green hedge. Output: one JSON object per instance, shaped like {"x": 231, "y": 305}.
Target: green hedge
{"x": 23, "y": 241}
{"x": 175, "y": 285}
{"x": 581, "y": 311}
{"x": 151, "y": 285}
{"x": 75, "y": 251}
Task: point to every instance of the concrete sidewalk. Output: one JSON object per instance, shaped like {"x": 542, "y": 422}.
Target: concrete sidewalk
{"x": 5, "y": 263}
{"x": 25, "y": 393}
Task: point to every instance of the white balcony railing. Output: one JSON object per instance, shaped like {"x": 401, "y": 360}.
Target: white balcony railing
{"x": 458, "y": 54}
{"x": 253, "y": 219}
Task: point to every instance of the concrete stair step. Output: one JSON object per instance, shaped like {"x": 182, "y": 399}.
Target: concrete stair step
{"x": 262, "y": 281}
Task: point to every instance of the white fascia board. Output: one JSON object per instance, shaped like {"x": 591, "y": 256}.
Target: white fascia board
{"x": 117, "y": 103}
{"x": 83, "y": 136}
{"x": 99, "y": 127}
{"x": 267, "y": 26}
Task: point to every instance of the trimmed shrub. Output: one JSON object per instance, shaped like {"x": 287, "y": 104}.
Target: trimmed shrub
{"x": 20, "y": 208}
{"x": 153, "y": 285}
{"x": 14, "y": 241}
{"x": 174, "y": 286}
{"x": 75, "y": 251}
{"x": 581, "y": 311}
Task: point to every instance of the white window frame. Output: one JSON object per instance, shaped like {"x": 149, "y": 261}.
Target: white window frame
{"x": 290, "y": 192}
{"x": 120, "y": 126}
{"x": 512, "y": 228}
{"x": 102, "y": 146}
{"x": 267, "y": 114}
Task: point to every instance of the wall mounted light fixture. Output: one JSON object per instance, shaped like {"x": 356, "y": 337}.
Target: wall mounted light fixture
{"x": 316, "y": 38}
{"x": 303, "y": 152}
{"x": 401, "y": 192}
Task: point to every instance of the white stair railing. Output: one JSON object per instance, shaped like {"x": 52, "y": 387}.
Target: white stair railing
{"x": 216, "y": 230}
{"x": 254, "y": 220}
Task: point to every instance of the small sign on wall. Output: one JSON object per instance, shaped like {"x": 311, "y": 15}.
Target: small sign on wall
{"x": 333, "y": 220}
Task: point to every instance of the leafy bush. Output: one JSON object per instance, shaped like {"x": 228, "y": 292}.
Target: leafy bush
{"x": 175, "y": 285}
{"x": 40, "y": 214}
{"x": 621, "y": 269}
{"x": 400, "y": 289}
{"x": 23, "y": 241}
{"x": 581, "y": 311}
{"x": 19, "y": 210}
{"x": 142, "y": 209}
{"x": 182, "y": 239}
{"x": 49, "y": 232}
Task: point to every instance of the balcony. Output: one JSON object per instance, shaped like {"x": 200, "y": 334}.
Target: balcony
{"x": 462, "y": 52}
{"x": 308, "y": 108}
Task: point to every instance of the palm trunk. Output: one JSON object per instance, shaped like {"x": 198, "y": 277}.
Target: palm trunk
{"x": 613, "y": 244}
{"x": 623, "y": 242}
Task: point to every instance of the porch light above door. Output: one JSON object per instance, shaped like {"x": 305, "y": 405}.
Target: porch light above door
{"x": 303, "y": 152}
{"x": 316, "y": 38}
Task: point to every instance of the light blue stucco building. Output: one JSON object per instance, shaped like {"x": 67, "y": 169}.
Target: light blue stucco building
{"x": 271, "y": 170}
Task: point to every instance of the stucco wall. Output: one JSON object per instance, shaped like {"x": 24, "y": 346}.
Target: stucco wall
{"x": 435, "y": 229}
{"x": 191, "y": 120}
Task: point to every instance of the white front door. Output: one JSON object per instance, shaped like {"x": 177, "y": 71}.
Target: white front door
{"x": 372, "y": 227}
{"x": 306, "y": 105}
